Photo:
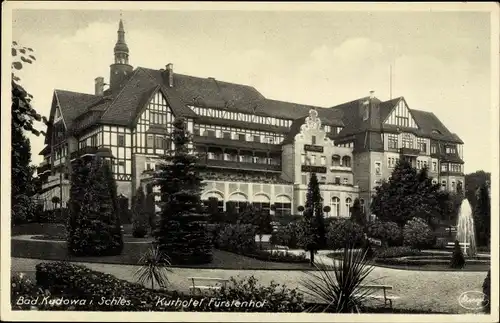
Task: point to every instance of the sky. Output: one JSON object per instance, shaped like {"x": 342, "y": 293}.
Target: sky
{"x": 440, "y": 60}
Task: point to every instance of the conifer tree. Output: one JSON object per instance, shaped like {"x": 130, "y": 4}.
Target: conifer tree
{"x": 94, "y": 225}
{"x": 405, "y": 195}
{"x": 139, "y": 223}
{"x": 357, "y": 214}
{"x": 182, "y": 233}
{"x": 313, "y": 222}
{"x": 482, "y": 215}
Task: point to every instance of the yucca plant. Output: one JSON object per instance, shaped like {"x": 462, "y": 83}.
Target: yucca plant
{"x": 154, "y": 267}
{"x": 338, "y": 286}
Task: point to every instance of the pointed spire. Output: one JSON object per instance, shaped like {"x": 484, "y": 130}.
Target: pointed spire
{"x": 121, "y": 48}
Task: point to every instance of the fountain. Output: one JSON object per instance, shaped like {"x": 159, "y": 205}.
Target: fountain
{"x": 465, "y": 229}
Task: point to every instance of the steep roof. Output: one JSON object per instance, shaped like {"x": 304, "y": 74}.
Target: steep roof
{"x": 73, "y": 104}
{"x": 428, "y": 124}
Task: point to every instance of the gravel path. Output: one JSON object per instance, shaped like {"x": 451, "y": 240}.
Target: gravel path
{"x": 437, "y": 291}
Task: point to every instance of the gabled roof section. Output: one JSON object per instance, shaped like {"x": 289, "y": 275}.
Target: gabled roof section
{"x": 134, "y": 97}
{"x": 350, "y": 115}
{"x": 428, "y": 123}
{"x": 387, "y": 106}
{"x": 71, "y": 104}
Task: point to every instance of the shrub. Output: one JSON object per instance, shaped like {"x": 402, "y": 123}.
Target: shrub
{"x": 441, "y": 243}
{"x": 417, "y": 234}
{"x": 457, "y": 258}
{"x": 487, "y": 293}
{"x": 388, "y": 232}
{"x": 238, "y": 238}
{"x": 288, "y": 235}
{"x": 394, "y": 252}
{"x": 342, "y": 232}
{"x": 276, "y": 298}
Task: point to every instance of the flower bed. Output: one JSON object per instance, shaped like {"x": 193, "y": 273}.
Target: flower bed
{"x": 277, "y": 256}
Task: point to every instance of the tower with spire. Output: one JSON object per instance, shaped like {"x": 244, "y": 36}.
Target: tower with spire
{"x": 120, "y": 70}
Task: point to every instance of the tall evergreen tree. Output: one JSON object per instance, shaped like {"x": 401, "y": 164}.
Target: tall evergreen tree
{"x": 314, "y": 222}
{"x": 357, "y": 213}
{"x": 140, "y": 221}
{"x": 405, "y": 195}
{"x": 482, "y": 215}
{"x": 94, "y": 226}
{"x": 182, "y": 233}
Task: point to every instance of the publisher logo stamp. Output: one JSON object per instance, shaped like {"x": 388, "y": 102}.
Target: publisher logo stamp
{"x": 472, "y": 300}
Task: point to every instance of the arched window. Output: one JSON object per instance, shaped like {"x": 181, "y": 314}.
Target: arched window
{"x": 335, "y": 205}
{"x": 335, "y": 160}
{"x": 346, "y": 161}
{"x": 348, "y": 204}
{"x": 238, "y": 200}
{"x": 283, "y": 205}
{"x": 261, "y": 202}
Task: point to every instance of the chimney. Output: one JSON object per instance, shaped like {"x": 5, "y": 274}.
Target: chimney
{"x": 99, "y": 85}
{"x": 169, "y": 75}
{"x": 372, "y": 94}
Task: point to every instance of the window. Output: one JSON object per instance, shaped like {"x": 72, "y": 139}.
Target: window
{"x": 241, "y": 137}
{"x": 346, "y": 180}
{"x": 451, "y": 150}
{"x": 434, "y": 166}
{"x": 303, "y": 159}
{"x": 304, "y": 179}
{"x": 443, "y": 185}
{"x": 407, "y": 140}
{"x": 256, "y": 138}
{"x": 402, "y": 121}
{"x": 313, "y": 160}
{"x": 418, "y": 164}
{"x": 348, "y": 203}
{"x": 453, "y": 186}
{"x": 323, "y": 160}
{"x": 433, "y": 149}
{"x": 210, "y": 155}
{"x": 346, "y": 161}
{"x": 322, "y": 180}
{"x": 270, "y": 140}
{"x": 313, "y": 140}
{"x": 335, "y": 206}
{"x": 337, "y": 180}
{"x": 210, "y": 133}
{"x": 335, "y": 160}
{"x": 226, "y": 135}
{"x": 392, "y": 141}
{"x": 121, "y": 167}
{"x": 255, "y": 159}
{"x": 159, "y": 142}
{"x": 150, "y": 142}
{"x": 378, "y": 169}
{"x": 444, "y": 167}
{"x": 362, "y": 205}
{"x": 121, "y": 140}
{"x": 421, "y": 145}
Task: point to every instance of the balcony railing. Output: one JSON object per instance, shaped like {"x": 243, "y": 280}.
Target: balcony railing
{"x": 313, "y": 169}
{"x": 239, "y": 165}
{"x": 237, "y": 144}
{"x": 409, "y": 151}
{"x": 89, "y": 150}
{"x": 44, "y": 167}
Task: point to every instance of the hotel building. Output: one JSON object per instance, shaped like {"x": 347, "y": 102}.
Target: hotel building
{"x": 256, "y": 150}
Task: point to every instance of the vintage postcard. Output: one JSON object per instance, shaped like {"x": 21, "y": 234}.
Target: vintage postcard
{"x": 241, "y": 161}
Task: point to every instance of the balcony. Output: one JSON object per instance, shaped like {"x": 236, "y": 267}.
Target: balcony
{"x": 313, "y": 169}
{"x": 409, "y": 151}
{"x": 340, "y": 168}
{"x": 43, "y": 168}
{"x": 90, "y": 151}
{"x": 236, "y": 144}
{"x": 239, "y": 165}
{"x": 451, "y": 173}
